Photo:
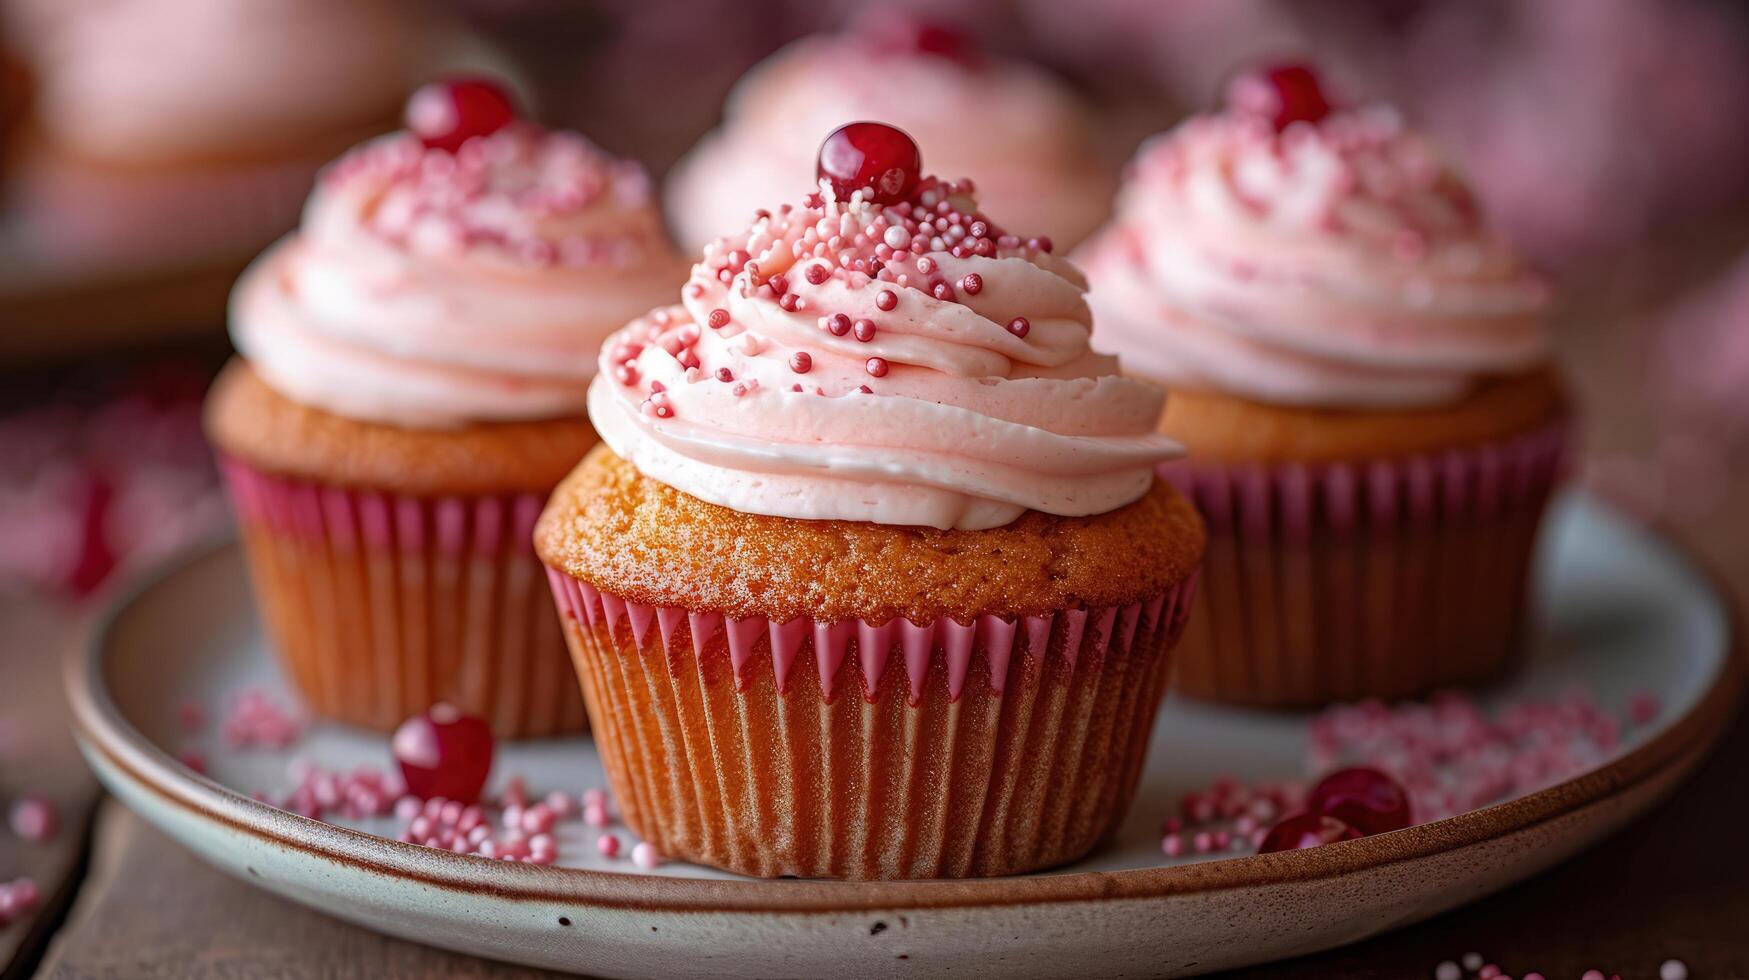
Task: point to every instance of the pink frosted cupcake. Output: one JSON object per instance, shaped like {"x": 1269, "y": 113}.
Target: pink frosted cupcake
{"x": 1026, "y": 137}
{"x": 411, "y": 388}
{"x": 872, "y": 577}
{"x": 1361, "y": 373}
{"x": 177, "y": 133}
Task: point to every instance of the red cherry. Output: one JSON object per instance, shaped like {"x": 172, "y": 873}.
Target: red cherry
{"x": 444, "y": 753}
{"x": 1364, "y": 798}
{"x": 1283, "y": 94}
{"x": 1303, "y": 830}
{"x": 873, "y": 157}
{"x": 445, "y": 114}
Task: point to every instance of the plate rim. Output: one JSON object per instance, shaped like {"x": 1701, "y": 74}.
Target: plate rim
{"x": 101, "y": 728}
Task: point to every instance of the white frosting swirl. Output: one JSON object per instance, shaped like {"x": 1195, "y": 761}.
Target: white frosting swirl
{"x": 752, "y": 396}
{"x": 430, "y": 289}
{"x": 1336, "y": 264}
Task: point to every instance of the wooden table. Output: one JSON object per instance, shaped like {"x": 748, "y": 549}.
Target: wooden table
{"x": 1674, "y": 884}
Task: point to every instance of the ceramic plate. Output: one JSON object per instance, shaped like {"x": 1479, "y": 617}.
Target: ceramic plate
{"x": 1620, "y": 611}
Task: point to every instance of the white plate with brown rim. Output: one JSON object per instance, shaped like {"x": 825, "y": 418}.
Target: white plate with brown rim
{"x": 1620, "y": 611}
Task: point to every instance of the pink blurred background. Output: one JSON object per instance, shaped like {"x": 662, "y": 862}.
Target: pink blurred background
{"x": 1605, "y": 137}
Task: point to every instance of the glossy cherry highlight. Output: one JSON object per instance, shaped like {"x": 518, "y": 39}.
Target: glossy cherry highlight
{"x": 872, "y": 157}
{"x": 447, "y": 113}
{"x": 1283, "y": 94}
{"x": 1362, "y": 797}
{"x": 444, "y": 753}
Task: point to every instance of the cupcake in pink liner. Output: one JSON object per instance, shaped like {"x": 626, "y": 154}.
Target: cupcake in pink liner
{"x": 871, "y": 576}
{"x": 179, "y": 133}
{"x": 410, "y": 388}
{"x": 1029, "y": 141}
{"x": 1362, "y": 378}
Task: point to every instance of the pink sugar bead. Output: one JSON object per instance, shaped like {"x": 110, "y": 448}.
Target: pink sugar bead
{"x": 1488, "y": 972}
{"x": 451, "y": 812}
{"x": 1591, "y": 975}
{"x": 33, "y": 818}
{"x": 479, "y": 834}
{"x": 434, "y": 807}
{"x": 595, "y": 815}
{"x": 408, "y": 807}
{"x": 422, "y": 826}
{"x": 512, "y": 819}
{"x": 471, "y": 818}
{"x": 608, "y": 845}
{"x": 1172, "y": 845}
{"x": 1203, "y": 842}
{"x": 645, "y": 855}
{"x": 559, "y": 803}
{"x": 1534, "y": 976}
{"x": 487, "y": 848}
{"x": 537, "y": 819}
{"x": 542, "y": 842}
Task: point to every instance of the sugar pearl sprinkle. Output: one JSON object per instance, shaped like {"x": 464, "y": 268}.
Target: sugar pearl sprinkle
{"x": 512, "y": 824}
{"x": 518, "y": 192}
{"x": 1449, "y": 754}
{"x": 1474, "y": 965}
{"x": 806, "y": 260}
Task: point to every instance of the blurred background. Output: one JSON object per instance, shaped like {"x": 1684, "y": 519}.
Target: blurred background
{"x": 151, "y": 147}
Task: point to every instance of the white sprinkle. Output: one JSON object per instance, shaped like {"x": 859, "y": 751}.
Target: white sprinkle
{"x": 896, "y": 237}
{"x": 1673, "y": 970}
{"x": 1472, "y": 961}
{"x": 1447, "y": 970}
{"x": 646, "y": 856}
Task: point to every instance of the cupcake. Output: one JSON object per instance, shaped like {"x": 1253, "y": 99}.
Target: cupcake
{"x": 1361, "y": 375}
{"x": 410, "y": 389}
{"x": 871, "y": 576}
{"x": 180, "y": 133}
{"x": 1028, "y": 139}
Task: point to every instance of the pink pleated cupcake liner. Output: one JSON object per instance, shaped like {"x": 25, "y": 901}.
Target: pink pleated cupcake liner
{"x": 1385, "y": 578}
{"x": 380, "y": 605}
{"x": 861, "y": 750}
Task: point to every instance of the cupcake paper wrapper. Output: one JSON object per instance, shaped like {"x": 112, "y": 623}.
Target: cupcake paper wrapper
{"x": 854, "y": 750}
{"x": 381, "y": 605}
{"x": 1387, "y": 578}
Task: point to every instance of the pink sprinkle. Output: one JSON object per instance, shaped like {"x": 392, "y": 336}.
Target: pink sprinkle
{"x": 559, "y": 803}
{"x": 408, "y": 807}
{"x": 1591, "y": 975}
{"x": 1172, "y": 845}
{"x": 877, "y": 367}
{"x": 1488, "y": 972}
{"x": 33, "y": 818}
{"x": 512, "y": 818}
{"x": 540, "y": 843}
{"x": 1204, "y": 842}
{"x": 1019, "y": 326}
{"x": 972, "y": 284}
{"x": 191, "y": 716}
{"x": 1533, "y": 975}
{"x": 538, "y": 819}
{"x": 193, "y": 759}
{"x": 595, "y": 814}
{"x": 1643, "y": 706}
{"x": 645, "y": 855}
{"x": 886, "y": 299}
{"x": 608, "y": 845}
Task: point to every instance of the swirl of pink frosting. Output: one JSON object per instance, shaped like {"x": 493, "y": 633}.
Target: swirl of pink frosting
{"x": 1022, "y": 132}
{"x": 910, "y": 364}
{"x": 1337, "y": 264}
{"x": 430, "y": 289}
